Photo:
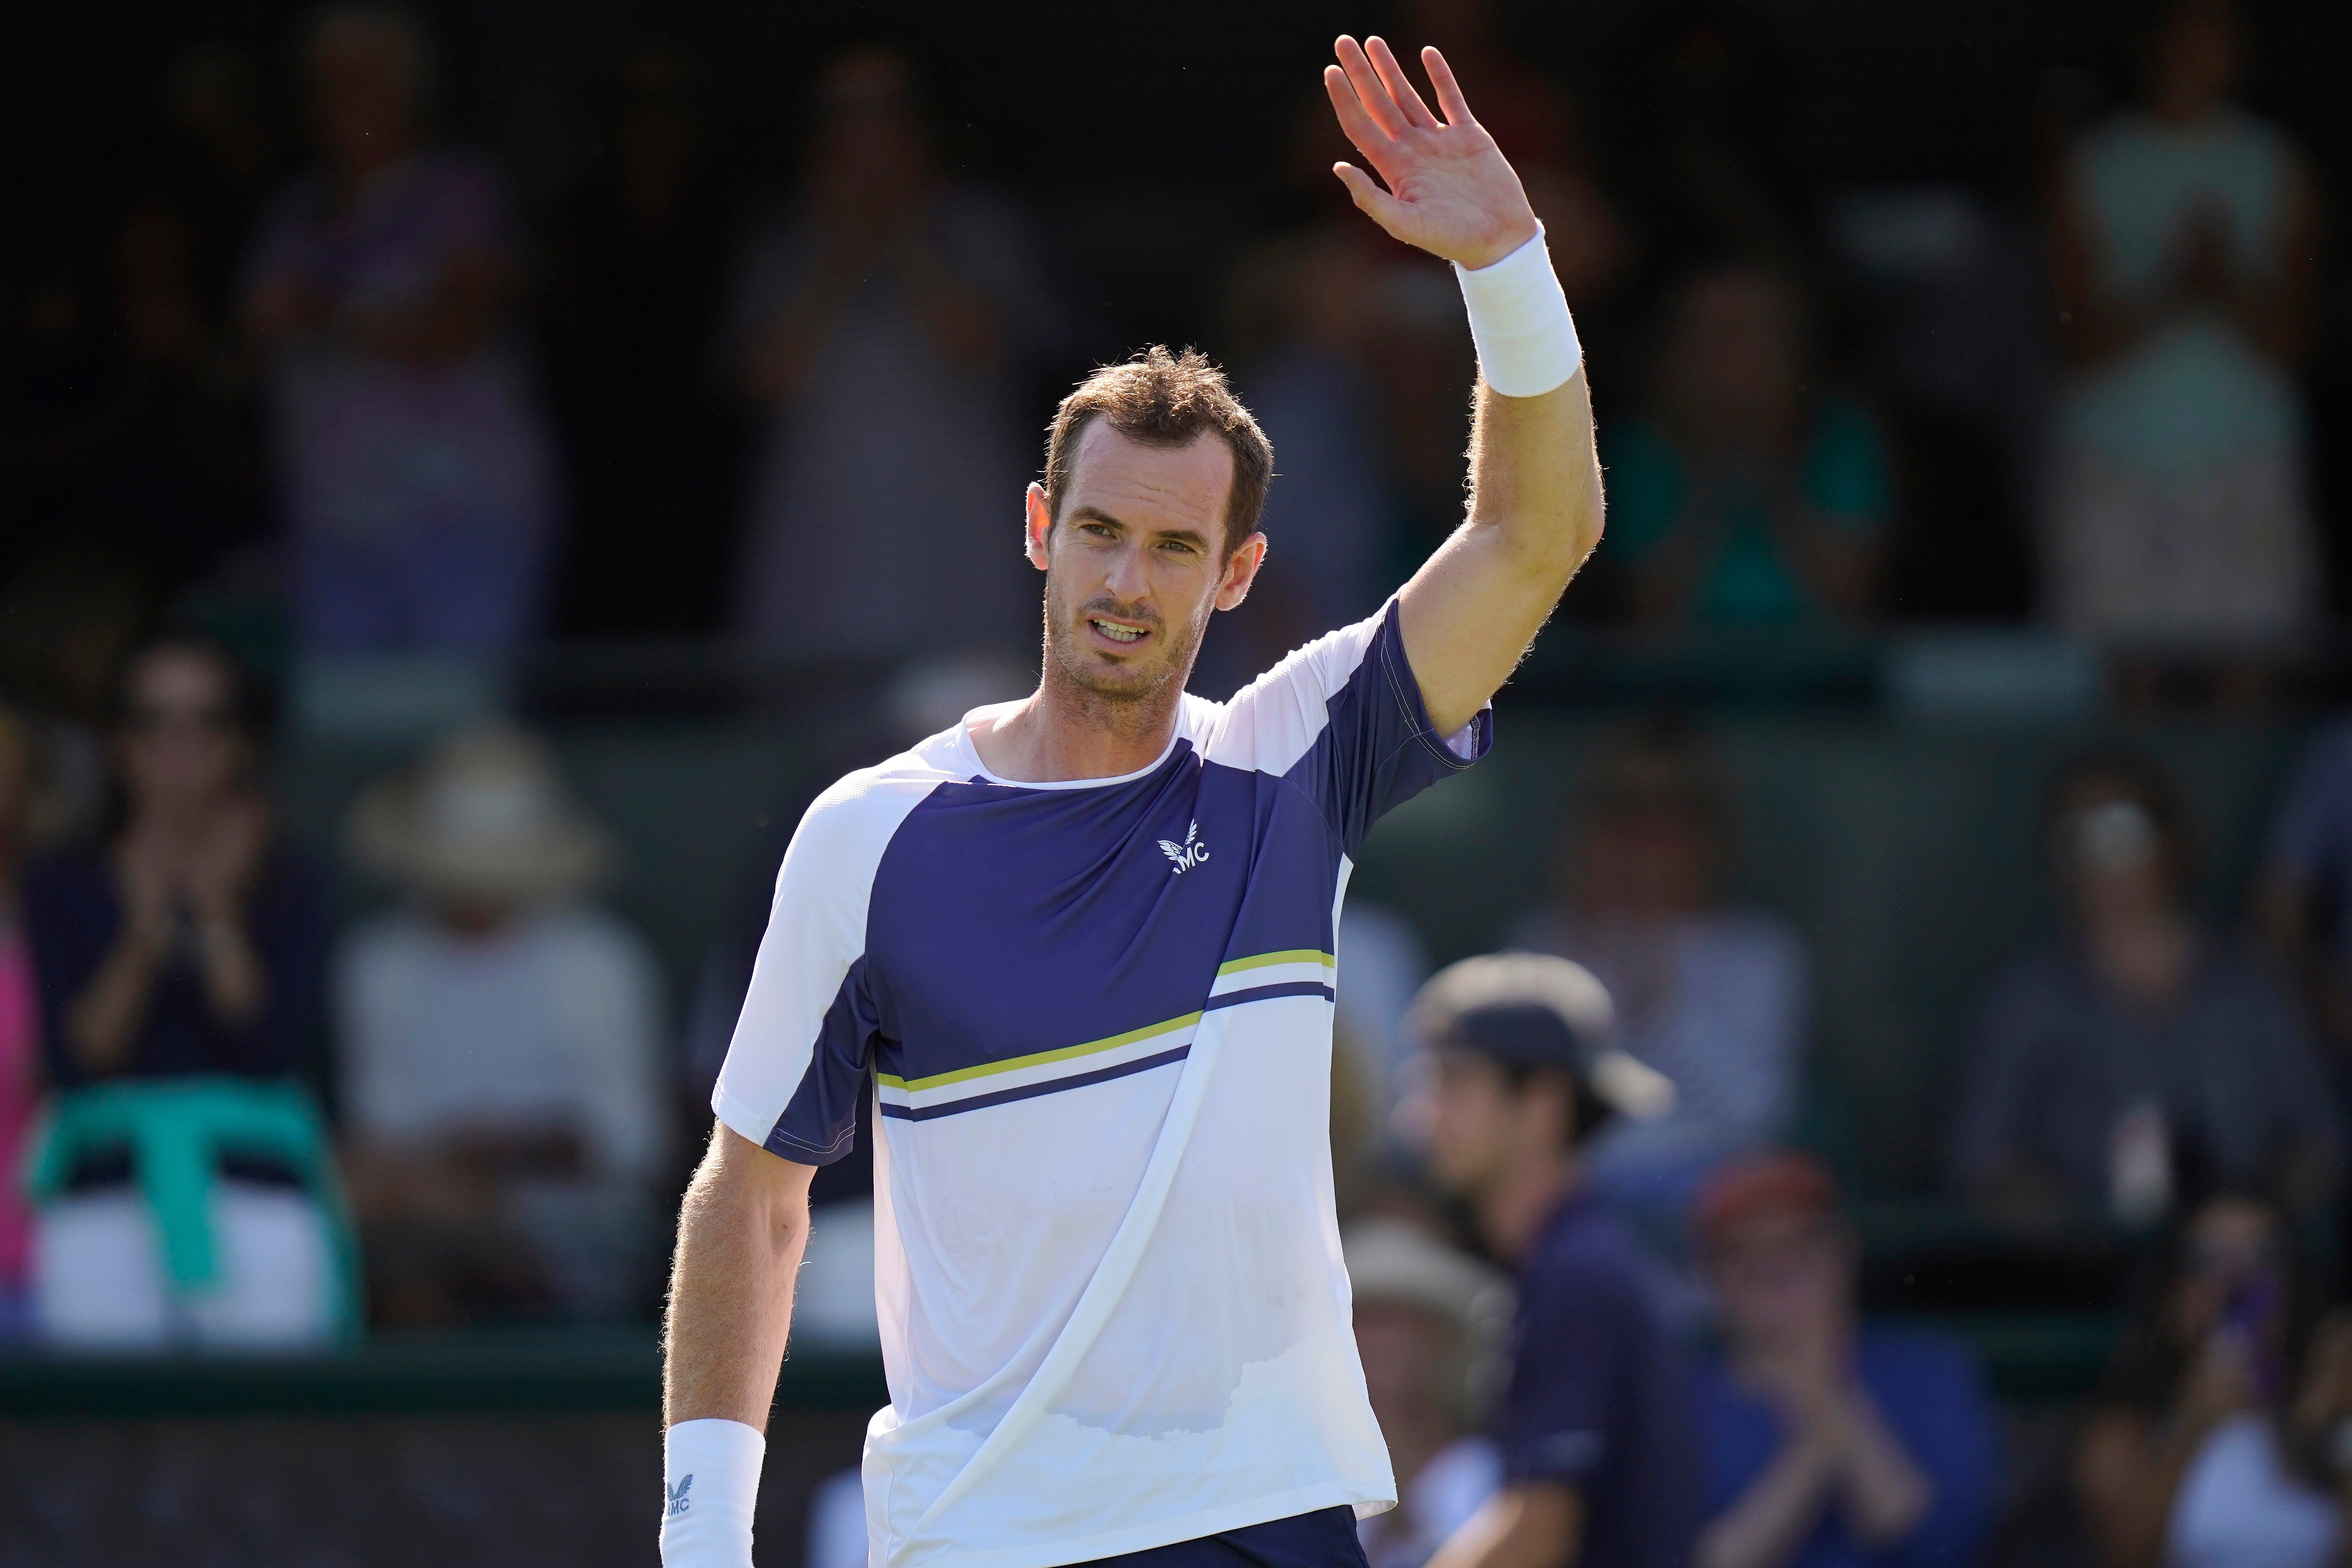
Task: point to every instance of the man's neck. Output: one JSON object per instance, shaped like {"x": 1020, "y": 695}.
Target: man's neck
{"x": 1061, "y": 733}
{"x": 1512, "y": 1213}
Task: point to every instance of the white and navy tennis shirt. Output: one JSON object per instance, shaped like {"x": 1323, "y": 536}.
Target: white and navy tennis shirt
{"x": 1095, "y": 1018}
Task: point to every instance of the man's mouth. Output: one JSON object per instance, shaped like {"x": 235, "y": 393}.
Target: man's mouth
{"x": 1118, "y": 631}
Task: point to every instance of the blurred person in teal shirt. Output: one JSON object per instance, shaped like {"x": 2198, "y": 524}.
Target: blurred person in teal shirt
{"x": 1740, "y": 497}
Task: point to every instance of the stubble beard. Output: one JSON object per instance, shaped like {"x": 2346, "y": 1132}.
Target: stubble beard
{"x": 1117, "y": 686}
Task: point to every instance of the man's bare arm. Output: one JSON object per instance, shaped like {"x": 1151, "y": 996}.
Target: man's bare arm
{"x": 740, "y": 1238}
{"x": 1534, "y": 509}
{"x": 1470, "y": 612}
{"x": 1535, "y": 1524}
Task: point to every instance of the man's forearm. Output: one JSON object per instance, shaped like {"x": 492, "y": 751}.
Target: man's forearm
{"x": 1535, "y": 473}
{"x": 1535, "y": 514}
{"x": 731, "y": 1305}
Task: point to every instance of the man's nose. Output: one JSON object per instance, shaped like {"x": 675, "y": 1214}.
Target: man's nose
{"x": 1127, "y": 580}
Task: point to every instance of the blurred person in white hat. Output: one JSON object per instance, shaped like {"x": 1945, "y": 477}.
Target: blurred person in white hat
{"x": 1431, "y": 1325}
{"x": 1521, "y": 1070}
{"x": 501, "y": 1043}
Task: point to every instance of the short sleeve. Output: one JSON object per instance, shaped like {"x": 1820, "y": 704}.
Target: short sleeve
{"x": 1578, "y": 1331}
{"x": 804, "y": 1043}
{"x": 1343, "y": 718}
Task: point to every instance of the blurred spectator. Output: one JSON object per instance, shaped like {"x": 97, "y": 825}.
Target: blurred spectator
{"x": 2141, "y": 1058}
{"x": 2208, "y": 1445}
{"x": 1833, "y": 1445}
{"x": 1741, "y": 497}
{"x": 882, "y": 326}
{"x": 1601, "y": 1460}
{"x": 500, "y": 1048}
{"x": 2303, "y": 897}
{"x": 20, "y": 1027}
{"x": 1711, "y": 996}
{"x": 1429, "y": 1327}
{"x": 414, "y": 468}
{"x": 186, "y": 944}
{"x": 635, "y": 281}
{"x": 191, "y": 939}
{"x": 2188, "y": 258}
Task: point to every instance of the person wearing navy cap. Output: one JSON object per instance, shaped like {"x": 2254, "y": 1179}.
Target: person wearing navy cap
{"x": 1601, "y": 1449}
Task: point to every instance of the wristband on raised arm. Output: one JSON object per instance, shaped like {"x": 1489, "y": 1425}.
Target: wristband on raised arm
{"x": 1519, "y": 320}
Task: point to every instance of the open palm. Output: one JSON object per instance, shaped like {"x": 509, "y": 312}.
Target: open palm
{"x": 1449, "y": 188}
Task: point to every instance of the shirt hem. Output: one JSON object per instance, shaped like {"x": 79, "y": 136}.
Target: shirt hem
{"x": 1379, "y": 1495}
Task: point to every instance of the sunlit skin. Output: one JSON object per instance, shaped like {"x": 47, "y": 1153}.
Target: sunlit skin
{"x": 1134, "y": 568}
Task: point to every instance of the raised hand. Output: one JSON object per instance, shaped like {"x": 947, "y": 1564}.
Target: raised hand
{"x": 1449, "y": 188}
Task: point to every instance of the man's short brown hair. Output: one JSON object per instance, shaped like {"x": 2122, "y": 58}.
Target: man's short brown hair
{"x": 1160, "y": 399}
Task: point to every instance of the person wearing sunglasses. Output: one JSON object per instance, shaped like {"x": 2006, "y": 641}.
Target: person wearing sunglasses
{"x": 188, "y": 938}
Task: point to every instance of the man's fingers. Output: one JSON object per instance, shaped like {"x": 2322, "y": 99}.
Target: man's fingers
{"x": 1400, "y": 85}
{"x": 1384, "y": 209}
{"x": 1368, "y": 137}
{"x": 1369, "y": 92}
{"x": 1449, "y": 91}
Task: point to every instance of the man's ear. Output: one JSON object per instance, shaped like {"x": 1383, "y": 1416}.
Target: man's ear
{"x": 1241, "y": 570}
{"x": 1040, "y": 528}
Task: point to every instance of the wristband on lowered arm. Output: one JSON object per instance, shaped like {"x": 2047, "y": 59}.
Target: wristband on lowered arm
{"x": 710, "y": 1481}
{"x": 1519, "y": 320}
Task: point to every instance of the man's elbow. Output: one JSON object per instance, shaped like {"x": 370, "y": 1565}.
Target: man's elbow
{"x": 1554, "y": 551}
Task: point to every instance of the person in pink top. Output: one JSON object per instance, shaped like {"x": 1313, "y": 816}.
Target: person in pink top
{"x": 19, "y": 1026}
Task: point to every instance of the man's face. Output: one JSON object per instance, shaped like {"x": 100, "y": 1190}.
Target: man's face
{"x": 1784, "y": 1279}
{"x": 1470, "y": 1125}
{"x": 1136, "y": 562}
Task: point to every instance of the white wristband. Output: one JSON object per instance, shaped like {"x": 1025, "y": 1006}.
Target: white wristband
{"x": 710, "y": 1480}
{"x": 1519, "y": 320}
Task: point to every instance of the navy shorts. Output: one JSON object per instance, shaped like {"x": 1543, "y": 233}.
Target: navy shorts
{"x": 1324, "y": 1539}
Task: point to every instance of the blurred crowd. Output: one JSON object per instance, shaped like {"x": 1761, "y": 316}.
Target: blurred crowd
{"x": 336, "y": 398}
{"x": 339, "y": 377}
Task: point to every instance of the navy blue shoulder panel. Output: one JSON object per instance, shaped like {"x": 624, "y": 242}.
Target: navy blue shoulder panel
{"x": 1380, "y": 749}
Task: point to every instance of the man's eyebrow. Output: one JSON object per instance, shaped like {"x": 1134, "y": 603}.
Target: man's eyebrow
{"x": 1094, "y": 514}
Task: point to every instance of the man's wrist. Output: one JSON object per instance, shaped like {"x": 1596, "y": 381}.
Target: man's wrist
{"x": 1519, "y": 320}
{"x": 710, "y": 1485}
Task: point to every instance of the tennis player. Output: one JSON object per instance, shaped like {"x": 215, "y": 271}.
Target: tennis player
{"x": 1079, "y": 949}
